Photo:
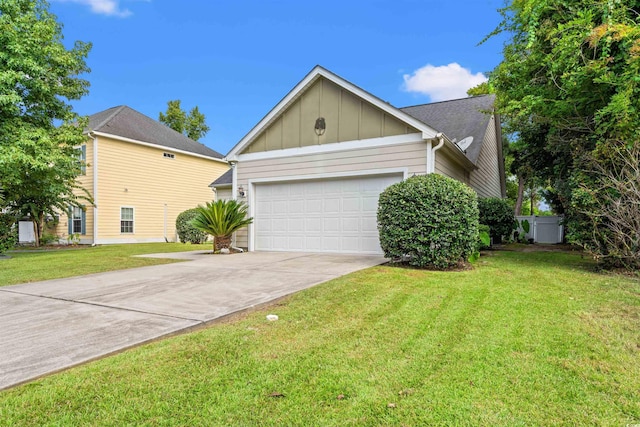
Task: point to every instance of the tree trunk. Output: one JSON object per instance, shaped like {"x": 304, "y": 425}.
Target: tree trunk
{"x": 533, "y": 196}
{"x": 35, "y": 232}
{"x": 518, "y": 208}
{"x": 221, "y": 242}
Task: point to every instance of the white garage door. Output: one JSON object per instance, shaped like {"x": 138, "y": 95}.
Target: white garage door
{"x": 337, "y": 215}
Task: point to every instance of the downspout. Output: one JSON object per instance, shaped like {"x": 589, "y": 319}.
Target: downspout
{"x": 95, "y": 187}
{"x": 234, "y": 190}
{"x": 431, "y": 152}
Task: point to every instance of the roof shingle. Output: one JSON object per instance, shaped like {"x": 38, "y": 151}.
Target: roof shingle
{"x": 128, "y": 123}
{"x": 458, "y": 119}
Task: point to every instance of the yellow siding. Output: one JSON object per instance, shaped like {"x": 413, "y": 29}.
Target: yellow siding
{"x": 158, "y": 188}
{"x": 486, "y": 179}
{"x": 86, "y": 182}
{"x": 347, "y": 117}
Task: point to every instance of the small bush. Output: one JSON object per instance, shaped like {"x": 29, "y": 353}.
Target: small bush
{"x": 8, "y": 232}
{"x": 484, "y": 239}
{"x": 429, "y": 220}
{"x": 498, "y": 215}
{"x": 186, "y": 231}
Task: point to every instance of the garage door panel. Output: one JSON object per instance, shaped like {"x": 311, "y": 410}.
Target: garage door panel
{"x": 319, "y": 216}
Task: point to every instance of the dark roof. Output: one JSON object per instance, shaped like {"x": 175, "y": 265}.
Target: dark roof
{"x": 128, "y": 123}
{"x": 223, "y": 180}
{"x": 458, "y": 119}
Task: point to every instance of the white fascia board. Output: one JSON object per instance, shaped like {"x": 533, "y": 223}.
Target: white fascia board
{"x": 334, "y": 147}
{"x": 159, "y": 147}
{"x": 318, "y": 71}
{"x": 458, "y": 155}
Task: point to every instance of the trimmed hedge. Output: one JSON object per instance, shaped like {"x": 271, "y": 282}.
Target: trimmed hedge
{"x": 429, "y": 221}
{"x": 498, "y": 215}
{"x": 187, "y": 233}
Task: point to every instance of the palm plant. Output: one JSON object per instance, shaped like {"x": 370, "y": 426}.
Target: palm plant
{"x": 221, "y": 219}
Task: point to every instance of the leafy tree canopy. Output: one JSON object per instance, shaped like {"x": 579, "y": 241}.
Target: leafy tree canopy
{"x": 569, "y": 84}
{"x": 192, "y": 125}
{"x": 38, "y": 76}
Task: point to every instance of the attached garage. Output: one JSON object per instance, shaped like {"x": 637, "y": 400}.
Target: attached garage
{"x": 311, "y": 171}
{"x": 328, "y": 215}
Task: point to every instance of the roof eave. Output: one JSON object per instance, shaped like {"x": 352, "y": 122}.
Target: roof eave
{"x": 312, "y": 76}
{"x": 160, "y": 147}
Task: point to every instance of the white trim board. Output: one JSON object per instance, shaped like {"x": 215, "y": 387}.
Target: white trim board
{"x": 333, "y": 147}
{"x": 159, "y": 147}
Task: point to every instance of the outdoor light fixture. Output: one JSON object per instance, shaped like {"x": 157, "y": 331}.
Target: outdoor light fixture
{"x": 320, "y": 126}
{"x": 241, "y": 192}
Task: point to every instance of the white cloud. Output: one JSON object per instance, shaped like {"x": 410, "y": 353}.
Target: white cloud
{"x": 103, "y": 7}
{"x": 443, "y": 82}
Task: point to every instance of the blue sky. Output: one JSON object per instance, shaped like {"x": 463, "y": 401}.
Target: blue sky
{"x": 236, "y": 59}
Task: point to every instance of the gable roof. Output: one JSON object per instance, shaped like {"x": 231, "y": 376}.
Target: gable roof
{"x": 316, "y": 73}
{"x": 458, "y": 119}
{"x": 224, "y": 180}
{"x": 125, "y": 122}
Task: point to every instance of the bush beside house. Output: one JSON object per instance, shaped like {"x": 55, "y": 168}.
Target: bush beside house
{"x": 187, "y": 233}
{"x": 498, "y": 215}
{"x": 429, "y": 221}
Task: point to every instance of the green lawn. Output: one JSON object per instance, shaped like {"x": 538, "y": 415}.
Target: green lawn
{"x": 31, "y": 265}
{"x": 522, "y": 339}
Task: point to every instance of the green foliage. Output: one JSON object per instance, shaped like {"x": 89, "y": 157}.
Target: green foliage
{"x": 38, "y": 161}
{"x": 430, "y": 220}
{"x": 498, "y": 215}
{"x": 8, "y": 232}
{"x": 569, "y": 86}
{"x": 221, "y": 219}
{"x": 192, "y": 125}
{"x": 484, "y": 236}
{"x": 523, "y": 339}
{"x": 187, "y": 233}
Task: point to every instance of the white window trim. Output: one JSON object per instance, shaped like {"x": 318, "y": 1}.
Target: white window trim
{"x": 133, "y": 209}
{"x": 251, "y": 183}
{"x": 74, "y": 218}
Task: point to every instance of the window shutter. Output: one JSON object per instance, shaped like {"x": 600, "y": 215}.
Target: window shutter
{"x": 70, "y": 220}
{"x": 84, "y": 161}
{"x": 84, "y": 222}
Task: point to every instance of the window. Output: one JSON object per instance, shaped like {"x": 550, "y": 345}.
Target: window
{"x": 82, "y": 159}
{"x": 77, "y": 220}
{"x": 169, "y": 155}
{"x": 126, "y": 220}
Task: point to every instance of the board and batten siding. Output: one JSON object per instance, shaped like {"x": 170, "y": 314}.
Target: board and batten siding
{"x": 347, "y": 118}
{"x": 486, "y": 179}
{"x": 157, "y": 187}
{"x": 411, "y": 156}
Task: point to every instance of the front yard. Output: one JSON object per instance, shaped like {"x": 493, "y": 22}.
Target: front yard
{"x": 522, "y": 339}
{"x": 34, "y": 265}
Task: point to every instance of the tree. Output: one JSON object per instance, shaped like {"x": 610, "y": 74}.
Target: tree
{"x": 38, "y": 75}
{"x": 192, "y": 125}
{"x": 221, "y": 219}
{"x": 570, "y": 73}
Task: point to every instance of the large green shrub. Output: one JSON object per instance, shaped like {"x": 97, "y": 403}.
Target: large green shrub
{"x": 498, "y": 215}
{"x": 8, "y": 232}
{"x": 186, "y": 231}
{"x": 429, "y": 221}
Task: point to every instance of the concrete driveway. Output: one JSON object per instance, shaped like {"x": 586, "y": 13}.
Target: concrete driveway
{"x": 53, "y": 325}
